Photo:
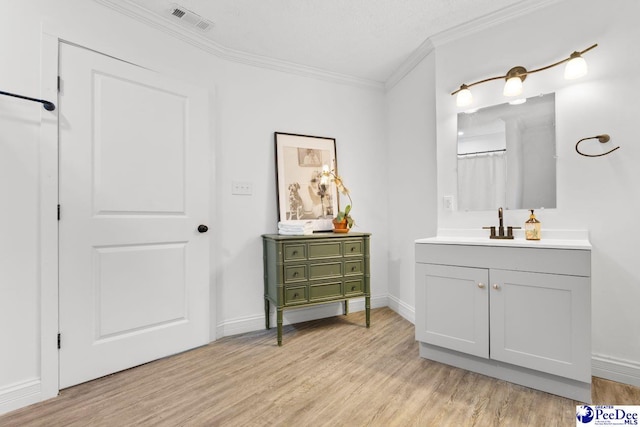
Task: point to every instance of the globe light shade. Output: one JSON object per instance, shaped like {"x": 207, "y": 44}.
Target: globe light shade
{"x": 464, "y": 98}
{"x": 576, "y": 68}
{"x": 513, "y": 87}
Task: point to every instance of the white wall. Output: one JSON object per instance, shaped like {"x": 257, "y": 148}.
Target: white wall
{"x": 598, "y": 194}
{"x": 248, "y": 105}
{"x": 411, "y": 147}
{"x": 253, "y": 104}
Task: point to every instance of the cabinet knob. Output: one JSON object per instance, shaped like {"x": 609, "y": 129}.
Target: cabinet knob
{"x": 481, "y": 285}
{"x": 202, "y": 228}
{"x": 496, "y": 286}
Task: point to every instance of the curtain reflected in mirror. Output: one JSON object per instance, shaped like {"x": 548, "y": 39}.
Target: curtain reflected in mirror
{"x": 507, "y": 156}
{"x": 481, "y": 181}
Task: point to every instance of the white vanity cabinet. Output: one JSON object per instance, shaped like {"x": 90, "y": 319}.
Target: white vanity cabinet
{"x": 518, "y": 313}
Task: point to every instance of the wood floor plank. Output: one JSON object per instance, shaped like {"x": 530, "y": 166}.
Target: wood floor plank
{"x": 329, "y": 372}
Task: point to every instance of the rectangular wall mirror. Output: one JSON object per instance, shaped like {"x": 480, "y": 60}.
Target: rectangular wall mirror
{"x": 507, "y": 156}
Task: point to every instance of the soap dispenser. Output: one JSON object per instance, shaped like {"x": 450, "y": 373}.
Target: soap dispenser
{"x": 532, "y": 228}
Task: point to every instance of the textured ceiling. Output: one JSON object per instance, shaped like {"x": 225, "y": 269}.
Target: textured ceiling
{"x": 367, "y": 39}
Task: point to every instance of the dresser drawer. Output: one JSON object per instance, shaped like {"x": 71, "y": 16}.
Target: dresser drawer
{"x": 325, "y": 250}
{"x": 353, "y": 287}
{"x": 295, "y": 252}
{"x": 353, "y": 248}
{"x": 325, "y": 270}
{"x": 322, "y": 291}
{"x": 295, "y": 295}
{"x": 295, "y": 273}
{"x": 352, "y": 267}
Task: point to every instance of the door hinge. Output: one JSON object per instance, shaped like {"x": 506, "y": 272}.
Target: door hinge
{"x": 59, "y": 341}
{"x": 58, "y": 212}
{"x": 59, "y": 83}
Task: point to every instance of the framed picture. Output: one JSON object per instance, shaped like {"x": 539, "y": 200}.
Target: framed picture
{"x": 301, "y": 195}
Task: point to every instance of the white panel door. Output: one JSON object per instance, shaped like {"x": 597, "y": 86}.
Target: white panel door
{"x": 452, "y": 308}
{"x": 538, "y": 321}
{"x": 134, "y": 170}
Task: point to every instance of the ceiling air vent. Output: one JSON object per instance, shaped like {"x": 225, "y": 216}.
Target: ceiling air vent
{"x": 190, "y": 19}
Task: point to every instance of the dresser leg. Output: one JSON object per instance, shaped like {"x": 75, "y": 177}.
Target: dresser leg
{"x": 367, "y": 310}
{"x": 346, "y": 307}
{"x": 266, "y": 313}
{"x": 279, "y": 321}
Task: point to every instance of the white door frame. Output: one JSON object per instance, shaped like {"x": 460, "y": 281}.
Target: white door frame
{"x": 48, "y": 243}
{"x": 44, "y": 385}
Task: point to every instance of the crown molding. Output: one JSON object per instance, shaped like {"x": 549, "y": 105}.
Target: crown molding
{"x": 463, "y": 30}
{"x": 489, "y": 20}
{"x": 132, "y": 10}
{"x": 410, "y": 63}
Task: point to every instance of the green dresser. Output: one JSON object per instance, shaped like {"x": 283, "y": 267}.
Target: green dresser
{"x": 301, "y": 271}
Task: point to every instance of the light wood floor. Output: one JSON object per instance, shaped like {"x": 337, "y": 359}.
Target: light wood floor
{"x": 330, "y": 372}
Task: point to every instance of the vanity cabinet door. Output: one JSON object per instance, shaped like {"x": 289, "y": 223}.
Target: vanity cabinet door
{"x": 453, "y": 308}
{"x": 541, "y": 321}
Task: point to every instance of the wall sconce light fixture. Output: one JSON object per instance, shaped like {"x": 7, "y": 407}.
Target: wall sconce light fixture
{"x": 576, "y": 67}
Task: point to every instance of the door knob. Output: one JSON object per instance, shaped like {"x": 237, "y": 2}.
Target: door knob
{"x": 203, "y": 228}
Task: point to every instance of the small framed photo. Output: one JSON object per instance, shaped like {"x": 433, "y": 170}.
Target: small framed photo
{"x": 301, "y": 195}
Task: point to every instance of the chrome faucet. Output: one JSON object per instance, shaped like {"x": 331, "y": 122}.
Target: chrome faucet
{"x": 500, "y": 234}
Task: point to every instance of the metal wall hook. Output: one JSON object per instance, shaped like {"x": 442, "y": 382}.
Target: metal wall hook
{"x": 602, "y": 138}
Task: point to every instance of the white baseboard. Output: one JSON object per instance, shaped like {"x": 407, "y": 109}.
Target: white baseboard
{"x": 304, "y": 314}
{"x": 402, "y": 308}
{"x": 20, "y": 395}
{"x": 610, "y": 368}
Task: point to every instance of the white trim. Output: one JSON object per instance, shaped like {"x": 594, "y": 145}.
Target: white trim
{"x": 19, "y": 395}
{"x": 410, "y": 63}
{"x": 488, "y": 21}
{"x": 619, "y": 370}
{"x": 402, "y": 308}
{"x": 132, "y": 10}
{"x": 241, "y": 325}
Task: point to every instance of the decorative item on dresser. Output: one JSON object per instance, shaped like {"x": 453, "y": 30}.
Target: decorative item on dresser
{"x": 343, "y": 222}
{"x": 302, "y": 271}
{"x": 303, "y": 195}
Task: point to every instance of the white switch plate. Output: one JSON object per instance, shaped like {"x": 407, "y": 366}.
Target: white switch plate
{"x": 448, "y": 203}
{"x": 241, "y": 188}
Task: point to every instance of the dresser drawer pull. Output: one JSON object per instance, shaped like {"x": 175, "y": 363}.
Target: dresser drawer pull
{"x": 294, "y": 253}
{"x": 295, "y": 274}
{"x": 295, "y": 295}
{"x": 353, "y": 268}
{"x": 353, "y": 288}
{"x": 353, "y": 248}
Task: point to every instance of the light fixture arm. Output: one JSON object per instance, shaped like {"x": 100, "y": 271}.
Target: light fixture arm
{"x": 522, "y": 72}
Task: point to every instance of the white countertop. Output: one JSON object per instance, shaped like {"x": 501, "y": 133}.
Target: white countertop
{"x": 551, "y": 239}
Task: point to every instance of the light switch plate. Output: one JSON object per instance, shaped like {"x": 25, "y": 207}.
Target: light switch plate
{"x": 241, "y": 188}
{"x": 448, "y": 203}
